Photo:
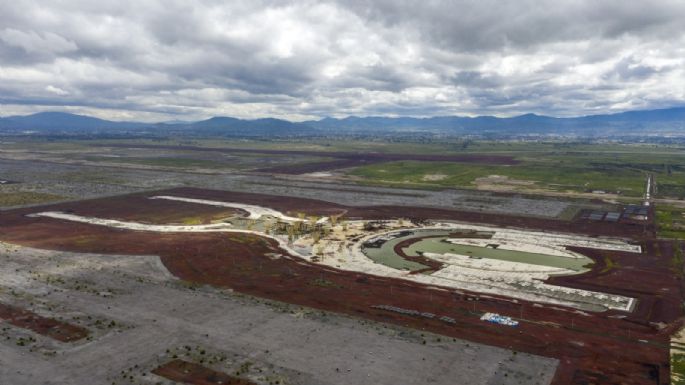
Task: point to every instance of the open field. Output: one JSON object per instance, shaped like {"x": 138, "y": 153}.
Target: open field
{"x": 347, "y": 159}
{"x": 19, "y": 198}
{"x": 619, "y": 172}
{"x": 166, "y": 162}
{"x": 80, "y": 181}
{"x": 611, "y": 171}
{"x": 634, "y": 343}
{"x": 152, "y": 158}
{"x": 671, "y": 221}
{"x": 619, "y": 175}
{"x": 441, "y": 145}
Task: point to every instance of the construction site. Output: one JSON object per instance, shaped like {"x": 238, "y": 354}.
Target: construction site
{"x": 311, "y": 192}
{"x": 599, "y": 299}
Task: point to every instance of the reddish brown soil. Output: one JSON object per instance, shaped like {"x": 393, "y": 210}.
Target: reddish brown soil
{"x": 431, "y": 264}
{"x": 49, "y": 327}
{"x": 343, "y": 159}
{"x": 649, "y": 277}
{"x": 195, "y": 374}
{"x": 305, "y": 168}
{"x": 151, "y": 211}
{"x": 597, "y": 348}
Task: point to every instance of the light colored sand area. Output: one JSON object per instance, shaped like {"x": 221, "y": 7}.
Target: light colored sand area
{"x": 550, "y": 243}
{"x": 502, "y": 183}
{"x": 133, "y": 225}
{"x": 255, "y": 212}
{"x": 136, "y": 226}
{"x": 433, "y": 177}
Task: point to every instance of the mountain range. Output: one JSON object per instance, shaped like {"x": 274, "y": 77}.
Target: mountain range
{"x": 646, "y": 122}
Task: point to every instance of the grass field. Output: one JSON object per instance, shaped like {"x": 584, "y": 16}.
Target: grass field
{"x": 554, "y": 166}
{"x": 618, "y": 173}
{"x": 445, "y": 146}
{"x": 670, "y": 221}
{"x": 434, "y": 245}
{"x": 526, "y": 176}
{"x": 678, "y": 358}
{"x": 8, "y": 199}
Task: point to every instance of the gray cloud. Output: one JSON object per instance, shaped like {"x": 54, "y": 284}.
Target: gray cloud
{"x": 305, "y": 59}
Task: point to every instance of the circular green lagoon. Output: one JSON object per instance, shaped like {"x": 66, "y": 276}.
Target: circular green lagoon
{"x": 434, "y": 241}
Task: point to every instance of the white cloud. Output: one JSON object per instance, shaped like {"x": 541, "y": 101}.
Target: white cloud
{"x": 33, "y": 42}
{"x": 56, "y": 90}
{"x": 304, "y": 59}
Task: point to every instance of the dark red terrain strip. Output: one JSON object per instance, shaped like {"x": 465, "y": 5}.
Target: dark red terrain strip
{"x": 49, "y": 327}
{"x": 196, "y": 374}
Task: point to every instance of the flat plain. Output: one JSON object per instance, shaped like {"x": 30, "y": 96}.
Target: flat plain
{"x": 256, "y": 269}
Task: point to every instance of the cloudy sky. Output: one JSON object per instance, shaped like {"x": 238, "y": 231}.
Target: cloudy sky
{"x": 187, "y": 60}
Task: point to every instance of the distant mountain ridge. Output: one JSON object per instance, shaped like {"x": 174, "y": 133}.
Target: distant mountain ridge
{"x": 56, "y": 123}
{"x": 226, "y": 126}
{"x": 62, "y": 121}
{"x": 625, "y": 122}
{"x": 671, "y": 120}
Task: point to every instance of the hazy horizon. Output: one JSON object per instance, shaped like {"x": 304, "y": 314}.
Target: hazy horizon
{"x": 173, "y": 121}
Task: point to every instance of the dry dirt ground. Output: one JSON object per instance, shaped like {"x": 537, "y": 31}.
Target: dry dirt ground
{"x": 145, "y": 317}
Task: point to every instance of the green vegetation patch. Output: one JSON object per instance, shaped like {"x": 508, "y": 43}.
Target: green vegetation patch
{"x": 620, "y": 169}
{"x": 678, "y": 368}
{"x": 438, "y": 246}
{"x": 670, "y": 221}
{"x": 322, "y": 282}
{"x": 553, "y": 176}
{"x": 678, "y": 359}
{"x": 21, "y": 198}
{"x": 609, "y": 264}
{"x": 386, "y": 255}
